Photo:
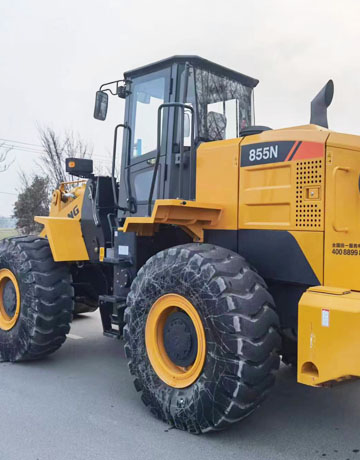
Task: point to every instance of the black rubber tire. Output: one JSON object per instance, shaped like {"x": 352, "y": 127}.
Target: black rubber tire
{"x": 46, "y": 300}
{"x": 241, "y": 328}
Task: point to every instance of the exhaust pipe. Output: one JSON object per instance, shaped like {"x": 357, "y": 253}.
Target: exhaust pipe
{"x": 320, "y": 103}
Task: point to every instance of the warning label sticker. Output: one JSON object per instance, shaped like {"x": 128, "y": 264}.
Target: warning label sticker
{"x": 325, "y": 318}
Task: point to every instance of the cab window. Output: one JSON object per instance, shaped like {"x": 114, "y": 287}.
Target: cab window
{"x": 147, "y": 96}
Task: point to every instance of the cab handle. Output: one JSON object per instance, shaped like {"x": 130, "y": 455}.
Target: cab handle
{"x": 335, "y": 172}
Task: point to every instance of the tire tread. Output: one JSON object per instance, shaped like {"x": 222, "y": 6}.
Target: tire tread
{"x": 47, "y": 307}
{"x": 246, "y": 325}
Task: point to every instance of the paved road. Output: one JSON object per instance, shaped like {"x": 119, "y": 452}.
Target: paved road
{"x": 80, "y": 404}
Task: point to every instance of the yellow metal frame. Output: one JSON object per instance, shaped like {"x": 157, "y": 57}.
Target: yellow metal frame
{"x": 217, "y": 179}
{"x": 6, "y": 322}
{"x": 191, "y": 216}
{"x": 172, "y": 375}
{"x": 328, "y": 335}
{"x": 65, "y": 238}
{"x": 63, "y": 232}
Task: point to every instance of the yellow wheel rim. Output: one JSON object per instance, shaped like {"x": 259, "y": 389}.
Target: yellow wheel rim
{"x": 8, "y": 319}
{"x": 172, "y": 374}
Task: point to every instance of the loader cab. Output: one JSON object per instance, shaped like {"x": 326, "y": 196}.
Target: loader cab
{"x": 171, "y": 107}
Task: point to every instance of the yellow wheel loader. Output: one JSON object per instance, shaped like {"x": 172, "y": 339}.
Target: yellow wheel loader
{"x": 222, "y": 247}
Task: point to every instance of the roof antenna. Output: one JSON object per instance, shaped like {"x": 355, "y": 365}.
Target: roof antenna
{"x": 320, "y": 103}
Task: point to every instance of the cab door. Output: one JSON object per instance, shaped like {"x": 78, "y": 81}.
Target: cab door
{"x": 148, "y": 92}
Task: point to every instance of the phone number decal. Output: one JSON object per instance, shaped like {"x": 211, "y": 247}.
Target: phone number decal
{"x": 342, "y": 249}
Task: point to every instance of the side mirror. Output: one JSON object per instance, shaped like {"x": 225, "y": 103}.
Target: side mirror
{"x": 101, "y": 105}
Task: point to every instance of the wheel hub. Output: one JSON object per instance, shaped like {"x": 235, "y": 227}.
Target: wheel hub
{"x": 9, "y": 298}
{"x": 175, "y": 340}
{"x": 180, "y": 339}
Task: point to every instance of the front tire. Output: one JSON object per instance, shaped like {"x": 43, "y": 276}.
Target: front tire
{"x": 241, "y": 332}
{"x": 36, "y": 300}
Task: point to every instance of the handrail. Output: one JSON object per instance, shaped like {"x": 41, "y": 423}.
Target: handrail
{"x": 158, "y": 153}
{"x": 335, "y": 171}
{"x": 130, "y": 199}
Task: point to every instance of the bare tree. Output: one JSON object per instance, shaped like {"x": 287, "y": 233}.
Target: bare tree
{"x": 4, "y": 162}
{"x": 56, "y": 149}
{"x": 103, "y": 166}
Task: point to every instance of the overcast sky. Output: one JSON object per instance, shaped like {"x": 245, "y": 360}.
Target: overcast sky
{"x": 55, "y": 54}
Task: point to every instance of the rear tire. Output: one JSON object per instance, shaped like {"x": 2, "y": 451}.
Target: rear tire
{"x": 46, "y": 299}
{"x": 241, "y": 329}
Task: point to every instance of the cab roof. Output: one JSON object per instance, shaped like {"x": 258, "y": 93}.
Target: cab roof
{"x": 196, "y": 61}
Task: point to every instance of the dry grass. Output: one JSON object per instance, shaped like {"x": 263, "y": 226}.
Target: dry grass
{"x": 6, "y": 232}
